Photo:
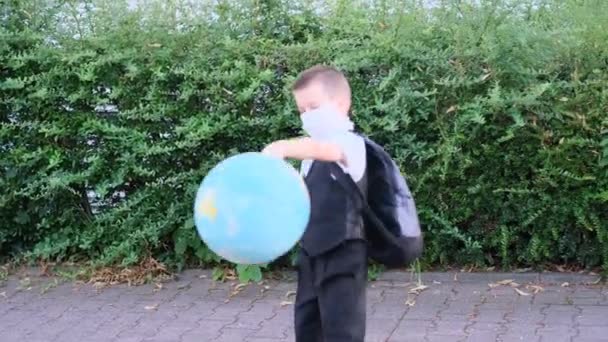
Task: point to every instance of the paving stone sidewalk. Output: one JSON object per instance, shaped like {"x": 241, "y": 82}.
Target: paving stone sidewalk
{"x": 449, "y": 307}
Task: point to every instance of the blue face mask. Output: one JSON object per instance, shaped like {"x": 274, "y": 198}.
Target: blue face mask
{"x": 324, "y": 122}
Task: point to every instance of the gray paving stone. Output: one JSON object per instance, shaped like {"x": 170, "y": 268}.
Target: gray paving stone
{"x": 247, "y": 322}
{"x": 455, "y": 327}
{"x": 460, "y": 309}
{"x": 592, "y": 316}
{"x": 526, "y": 314}
{"x": 480, "y": 327}
{"x": 151, "y": 339}
{"x": 444, "y": 337}
{"x": 482, "y": 336}
{"x": 588, "y": 301}
{"x": 594, "y": 332}
{"x": 518, "y": 338}
{"x": 560, "y": 317}
{"x": 382, "y": 327}
{"x": 521, "y": 329}
{"x": 269, "y": 331}
{"x": 388, "y": 310}
{"x": 571, "y": 278}
{"x": 420, "y": 312}
{"x": 206, "y": 331}
{"x": 484, "y": 315}
{"x": 407, "y": 332}
{"x": 232, "y": 335}
{"x": 557, "y": 296}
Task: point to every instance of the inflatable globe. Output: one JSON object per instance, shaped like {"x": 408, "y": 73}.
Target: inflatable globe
{"x": 251, "y": 208}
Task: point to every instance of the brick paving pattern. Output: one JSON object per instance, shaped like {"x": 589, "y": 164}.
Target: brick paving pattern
{"x": 449, "y": 307}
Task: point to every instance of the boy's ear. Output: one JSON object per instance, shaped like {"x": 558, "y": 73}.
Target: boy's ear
{"x": 343, "y": 104}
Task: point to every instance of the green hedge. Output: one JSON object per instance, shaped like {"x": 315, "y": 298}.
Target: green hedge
{"x": 496, "y": 112}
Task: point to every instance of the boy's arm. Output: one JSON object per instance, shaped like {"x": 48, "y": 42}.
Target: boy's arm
{"x": 305, "y": 148}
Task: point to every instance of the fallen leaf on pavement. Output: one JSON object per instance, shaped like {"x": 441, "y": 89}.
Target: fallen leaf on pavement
{"x": 151, "y": 307}
{"x": 25, "y": 282}
{"x": 468, "y": 269}
{"x": 264, "y": 288}
{"x": 535, "y": 288}
{"x": 290, "y": 293}
{"x": 410, "y": 302}
{"x": 99, "y": 284}
{"x": 416, "y": 290}
{"x": 240, "y": 287}
{"x": 523, "y": 270}
{"x": 566, "y": 284}
{"x": 505, "y": 282}
{"x": 520, "y": 292}
{"x": 286, "y": 302}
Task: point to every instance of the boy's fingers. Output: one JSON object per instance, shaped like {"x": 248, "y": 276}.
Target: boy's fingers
{"x": 273, "y": 150}
{"x": 344, "y": 160}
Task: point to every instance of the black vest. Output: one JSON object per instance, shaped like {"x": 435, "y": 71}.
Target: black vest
{"x": 335, "y": 215}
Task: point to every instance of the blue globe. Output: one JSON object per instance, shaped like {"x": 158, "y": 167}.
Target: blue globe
{"x": 251, "y": 208}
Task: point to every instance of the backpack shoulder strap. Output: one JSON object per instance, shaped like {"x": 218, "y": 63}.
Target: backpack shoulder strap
{"x": 351, "y": 188}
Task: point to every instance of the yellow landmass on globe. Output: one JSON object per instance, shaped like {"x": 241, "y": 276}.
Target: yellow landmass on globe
{"x": 207, "y": 207}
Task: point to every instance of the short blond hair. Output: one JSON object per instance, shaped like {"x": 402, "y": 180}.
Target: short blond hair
{"x": 332, "y": 79}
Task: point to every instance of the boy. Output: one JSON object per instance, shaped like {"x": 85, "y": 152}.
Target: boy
{"x": 332, "y": 263}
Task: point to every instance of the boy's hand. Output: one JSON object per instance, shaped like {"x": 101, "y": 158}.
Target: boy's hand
{"x": 276, "y": 149}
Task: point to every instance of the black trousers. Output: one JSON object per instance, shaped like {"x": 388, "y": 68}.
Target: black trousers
{"x": 330, "y": 301}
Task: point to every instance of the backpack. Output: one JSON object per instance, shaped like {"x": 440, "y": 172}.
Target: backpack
{"x": 390, "y": 218}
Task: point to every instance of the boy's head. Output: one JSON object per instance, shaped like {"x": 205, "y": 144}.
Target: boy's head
{"x": 320, "y": 86}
